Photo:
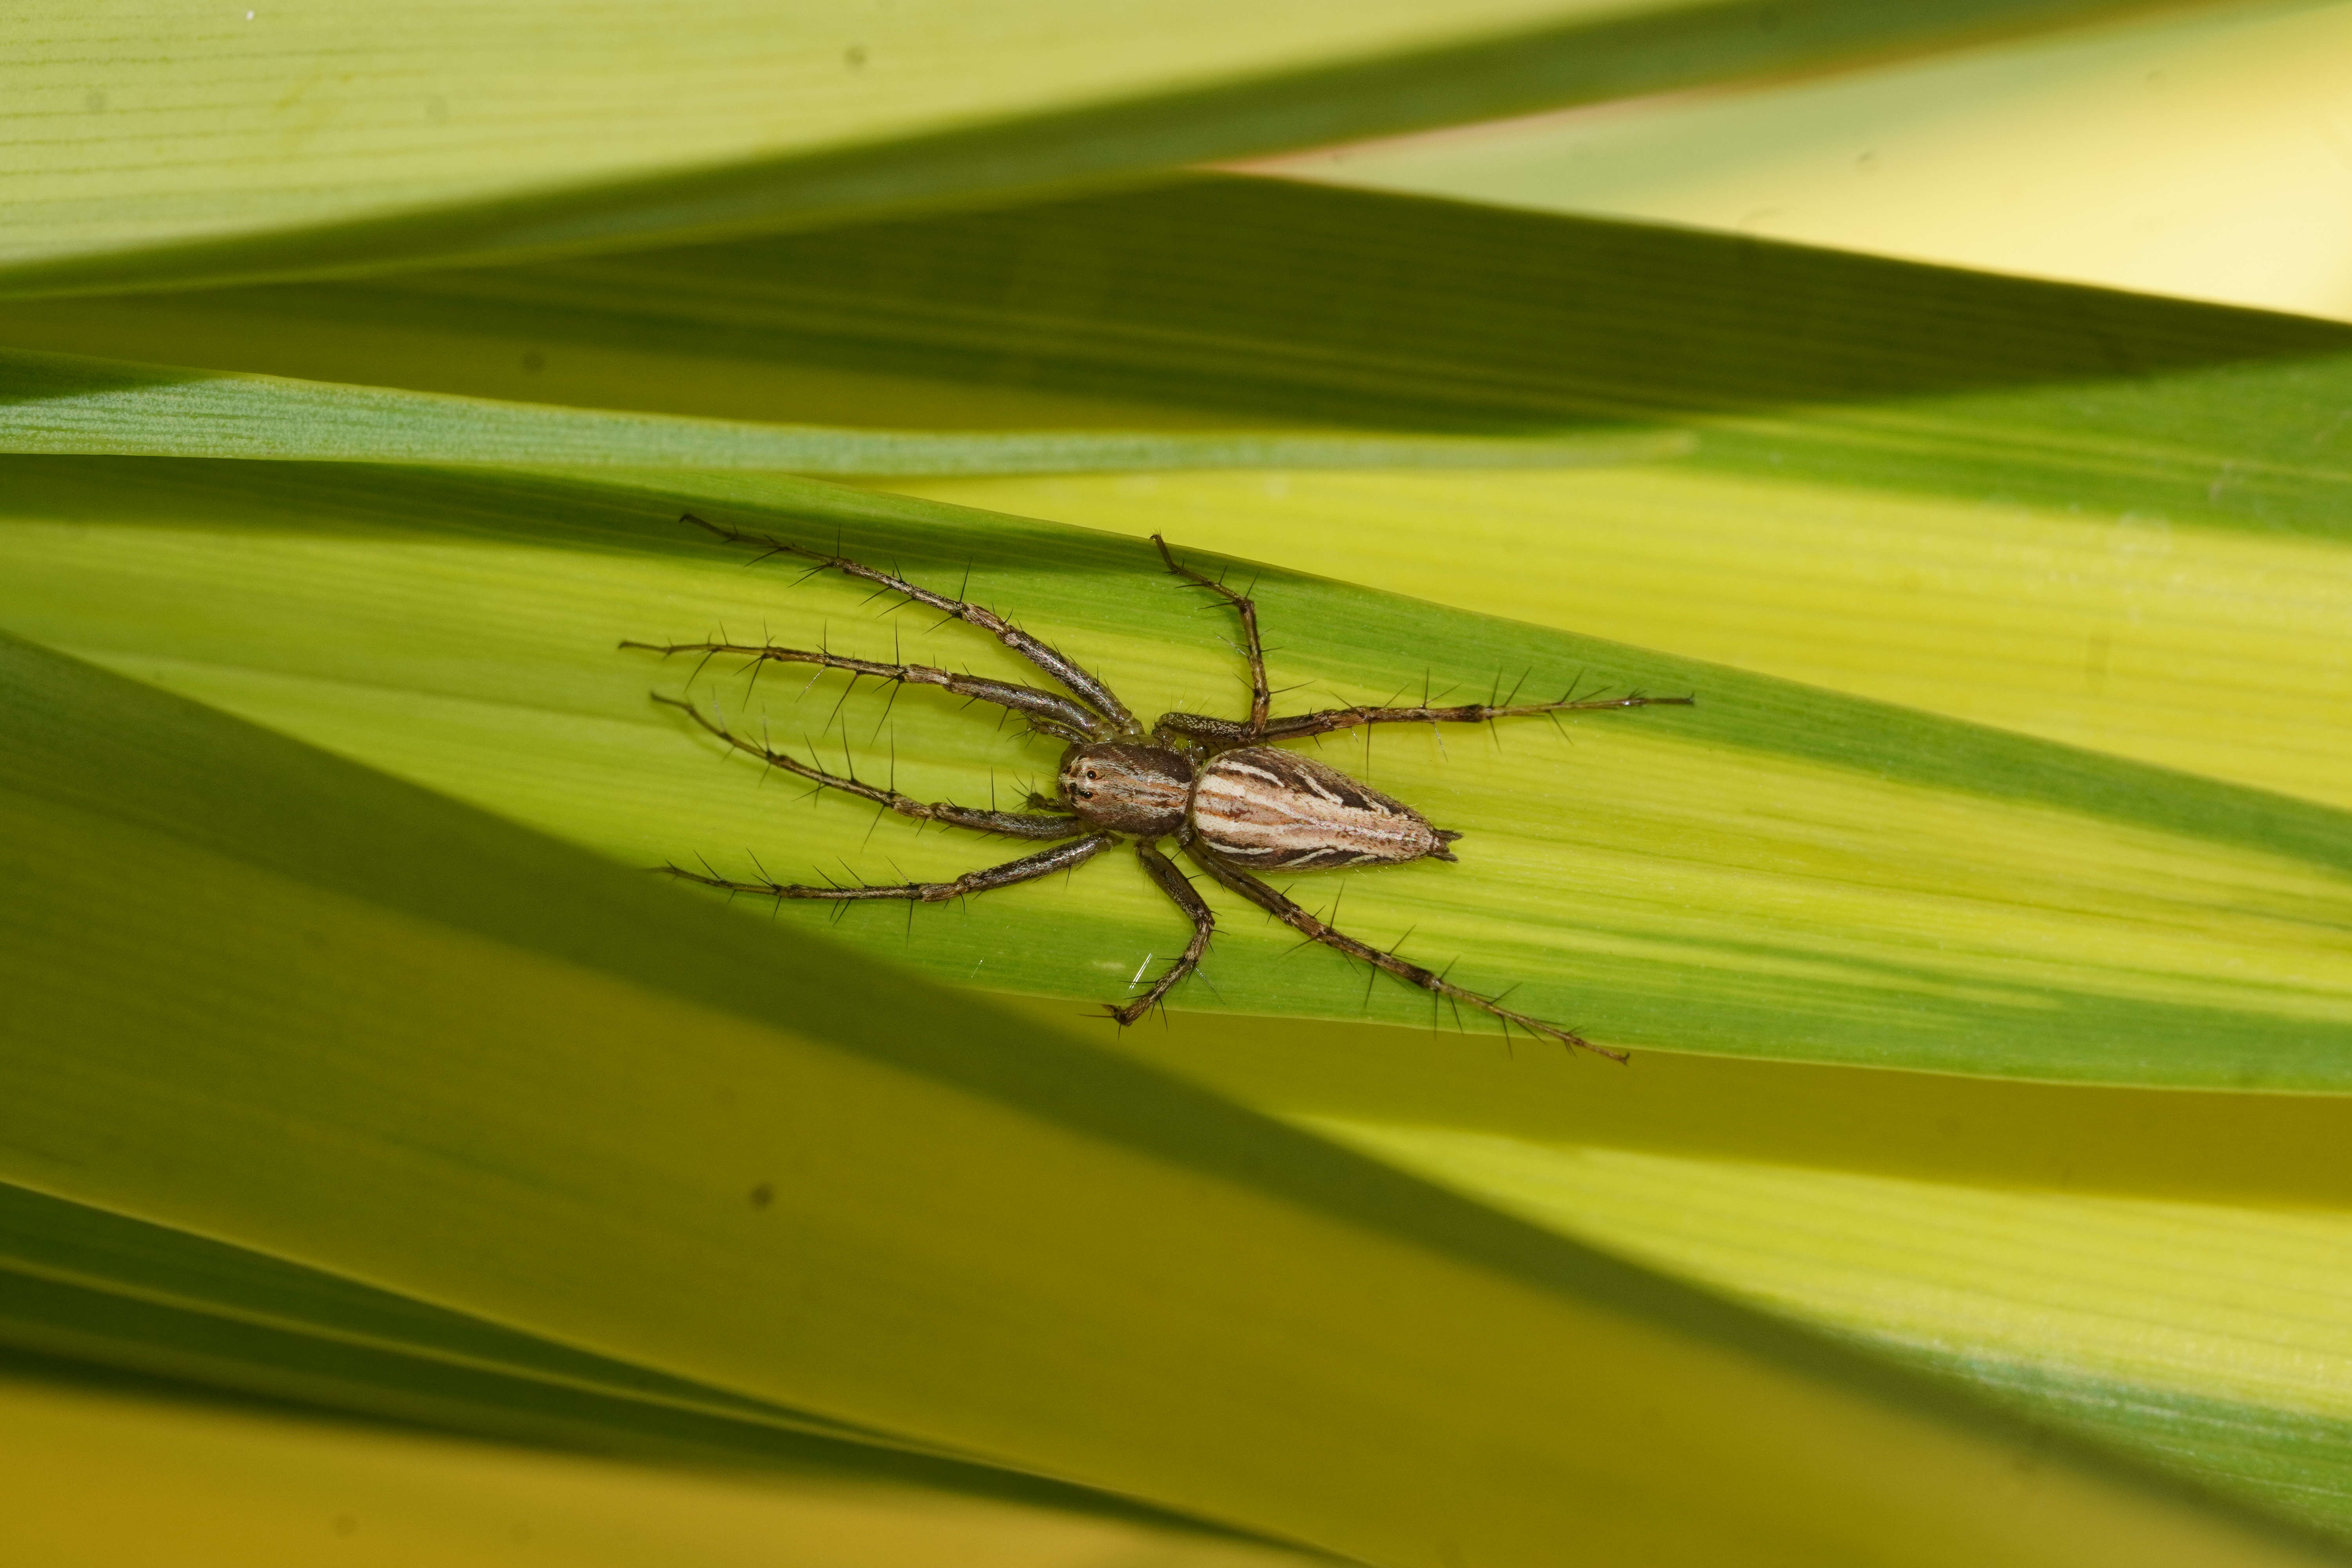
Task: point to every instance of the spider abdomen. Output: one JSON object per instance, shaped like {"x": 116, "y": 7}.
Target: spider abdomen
{"x": 1269, "y": 809}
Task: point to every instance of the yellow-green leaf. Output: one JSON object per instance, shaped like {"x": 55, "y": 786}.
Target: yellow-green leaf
{"x": 440, "y": 1054}
{"x": 347, "y": 137}
{"x": 1778, "y": 871}
{"x": 70, "y": 404}
{"x": 258, "y": 1488}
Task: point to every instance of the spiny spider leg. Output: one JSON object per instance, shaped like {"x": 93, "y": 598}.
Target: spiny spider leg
{"x": 1091, "y": 691}
{"x": 1017, "y": 824}
{"x": 1028, "y": 869}
{"x": 1314, "y": 930}
{"x": 1174, "y": 883}
{"x": 1297, "y": 726}
{"x": 1048, "y": 711}
{"x": 1222, "y": 732}
{"x": 1261, "y": 698}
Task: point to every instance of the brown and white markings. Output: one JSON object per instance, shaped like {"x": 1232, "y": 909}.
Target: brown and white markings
{"x": 1273, "y": 810}
{"x": 1233, "y": 803}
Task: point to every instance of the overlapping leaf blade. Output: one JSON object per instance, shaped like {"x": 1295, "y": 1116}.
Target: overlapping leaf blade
{"x": 1895, "y": 459}
{"x": 228, "y": 1485}
{"x": 343, "y": 137}
{"x": 929, "y": 1220}
{"x": 1896, "y": 456}
{"x": 1842, "y": 890}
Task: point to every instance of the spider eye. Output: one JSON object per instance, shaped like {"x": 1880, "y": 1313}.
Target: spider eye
{"x": 1089, "y": 776}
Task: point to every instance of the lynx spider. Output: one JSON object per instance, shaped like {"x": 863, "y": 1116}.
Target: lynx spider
{"x": 1233, "y": 802}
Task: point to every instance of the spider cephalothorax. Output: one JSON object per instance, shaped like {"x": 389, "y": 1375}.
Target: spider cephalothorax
{"x": 1126, "y": 788}
{"x": 1233, "y": 803}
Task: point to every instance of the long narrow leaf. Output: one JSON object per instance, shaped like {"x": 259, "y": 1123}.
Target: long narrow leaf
{"x": 1777, "y": 871}
{"x": 2106, "y": 521}
{"x": 362, "y": 136}
{"x": 59, "y": 404}
{"x": 559, "y": 1096}
{"x": 212, "y": 1485}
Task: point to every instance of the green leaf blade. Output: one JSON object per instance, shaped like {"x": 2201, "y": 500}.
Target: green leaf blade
{"x": 956, "y": 1229}
{"x": 1778, "y": 871}
{"x": 495, "y": 132}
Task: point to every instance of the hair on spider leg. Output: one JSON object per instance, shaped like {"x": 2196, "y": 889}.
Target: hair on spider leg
{"x": 888, "y": 704}
{"x": 704, "y": 662}
{"x": 776, "y": 906}
{"x": 1454, "y": 1002}
{"x": 854, "y": 676}
{"x": 1372, "y": 971}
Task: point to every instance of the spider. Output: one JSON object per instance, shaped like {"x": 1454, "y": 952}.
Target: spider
{"x": 1232, "y": 801}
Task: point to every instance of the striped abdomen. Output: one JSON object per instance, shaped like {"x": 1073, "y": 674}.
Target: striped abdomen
{"x": 1271, "y": 810}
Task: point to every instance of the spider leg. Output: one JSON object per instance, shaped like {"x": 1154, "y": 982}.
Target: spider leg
{"x": 1089, "y": 689}
{"x": 1314, "y": 930}
{"x": 1028, "y": 869}
{"x": 1048, "y": 711}
{"x": 1261, "y": 699}
{"x": 1297, "y": 726}
{"x": 1015, "y": 823}
{"x": 1220, "y": 734}
{"x": 1173, "y": 883}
